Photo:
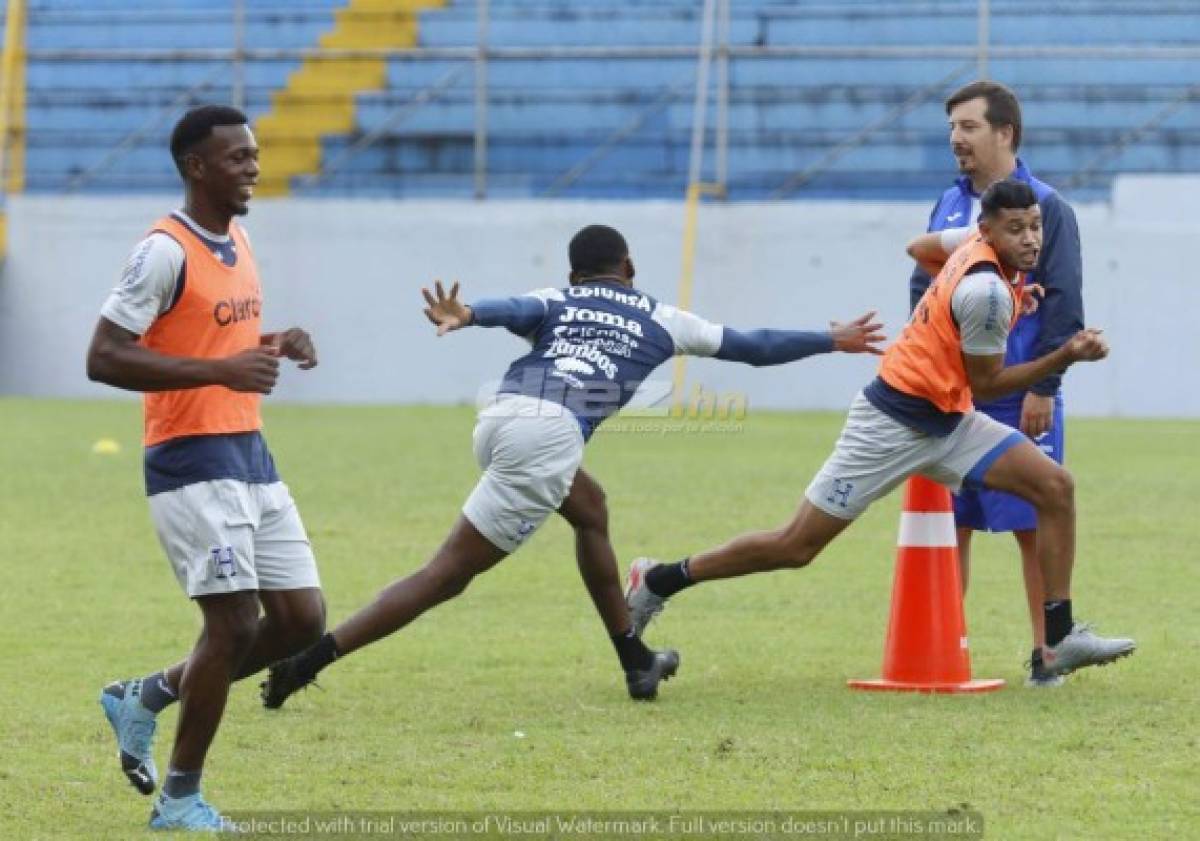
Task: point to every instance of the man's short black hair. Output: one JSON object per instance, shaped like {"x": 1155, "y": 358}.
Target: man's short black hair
{"x": 1009, "y": 194}
{"x": 196, "y": 125}
{"x": 597, "y": 250}
{"x": 1003, "y": 107}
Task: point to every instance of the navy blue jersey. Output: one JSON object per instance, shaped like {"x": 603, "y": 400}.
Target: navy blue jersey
{"x": 596, "y": 343}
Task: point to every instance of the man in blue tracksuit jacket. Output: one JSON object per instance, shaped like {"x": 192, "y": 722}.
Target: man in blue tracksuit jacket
{"x": 985, "y": 133}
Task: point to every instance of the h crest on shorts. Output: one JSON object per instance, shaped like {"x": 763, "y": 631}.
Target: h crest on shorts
{"x": 222, "y": 562}
{"x": 840, "y": 495}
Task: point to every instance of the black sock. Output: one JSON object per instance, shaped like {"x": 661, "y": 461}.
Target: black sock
{"x": 323, "y": 652}
{"x": 1035, "y": 659}
{"x": 668, "y": 579}
{"x": 631, "y": 651}
{"x": 156, "y": 695}
{"x": 1058, "y": 620}
{"x": 181, "y": 783}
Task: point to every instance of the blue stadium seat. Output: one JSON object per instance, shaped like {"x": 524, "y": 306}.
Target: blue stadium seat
{"x": 547, "y": 115}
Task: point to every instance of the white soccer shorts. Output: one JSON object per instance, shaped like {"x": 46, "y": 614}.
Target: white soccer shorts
{"x": 875, "y": 453}
{"x": 226, "y": 536}
{"x": 529, "y": 450}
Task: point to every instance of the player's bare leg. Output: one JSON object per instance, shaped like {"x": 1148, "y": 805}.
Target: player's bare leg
{"x": 1031, "y": 571}
{"x": 464, "y": 554}
{"x": 793, "y": 546}
{"x": 585, "y": 509}
{"x": 1027, "y": 472}
{"x": 230, "y": 628}
{"x": 292, "y": 620}
{"x": 964, "y": 559}
{"x": 228, "y": 635}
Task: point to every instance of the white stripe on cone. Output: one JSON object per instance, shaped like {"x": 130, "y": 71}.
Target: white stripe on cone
{"x": 927, "y": 530}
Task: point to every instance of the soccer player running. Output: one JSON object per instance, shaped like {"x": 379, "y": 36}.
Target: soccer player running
{"x": 593, "y": 344}
{"x": 916, "y": 417}
{"x": 985, "y": 134}
{"x": 184, "y": 325}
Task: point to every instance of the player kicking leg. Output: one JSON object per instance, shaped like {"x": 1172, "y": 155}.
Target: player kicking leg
{"x": 530, "y": 452}
{"x": 585, "y": 509}
{"x": 873, "y": 456}
{"x": 292, "y": 619}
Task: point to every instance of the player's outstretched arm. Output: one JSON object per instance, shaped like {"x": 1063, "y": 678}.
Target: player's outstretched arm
{"x": 989, "y": 378}
{"x": 778, "y": 347}
{"x": 115, "y": 358}
{"x": 520, "y": 315}
{"x": 862, "y": 335}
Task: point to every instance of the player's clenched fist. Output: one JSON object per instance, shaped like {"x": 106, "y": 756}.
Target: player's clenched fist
{"x": 254, "y": 370}
{"x": 1088, "y": 345}
{"x": 295, "y": 344}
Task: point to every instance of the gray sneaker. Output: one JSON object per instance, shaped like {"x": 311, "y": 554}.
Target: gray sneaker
{"x": 1082, "y": 648}
{"x": 643, "y": 605}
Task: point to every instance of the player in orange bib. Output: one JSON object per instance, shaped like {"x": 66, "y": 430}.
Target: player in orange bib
{"x": 917, "y": 417}
{"x": 184, "y": 326}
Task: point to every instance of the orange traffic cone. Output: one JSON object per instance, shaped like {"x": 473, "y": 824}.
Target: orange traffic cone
{"x": 926, "y": 648}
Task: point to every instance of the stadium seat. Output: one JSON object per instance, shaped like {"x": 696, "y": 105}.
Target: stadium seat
{"x": 547, "y": 115}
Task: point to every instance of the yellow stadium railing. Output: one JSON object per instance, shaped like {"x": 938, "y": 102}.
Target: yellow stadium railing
{"x": 12, "y": 112}
{"x": 687, "y": 277}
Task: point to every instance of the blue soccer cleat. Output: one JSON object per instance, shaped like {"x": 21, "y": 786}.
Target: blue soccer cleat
{"x": 189, "y": 813}
{"x": 134, "y": 726}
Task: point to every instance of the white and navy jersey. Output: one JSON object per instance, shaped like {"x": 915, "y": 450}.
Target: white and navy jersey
{"x": 596, "y": 343}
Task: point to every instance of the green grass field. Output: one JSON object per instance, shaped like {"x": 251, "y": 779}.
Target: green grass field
{"x": 758, "y": 719}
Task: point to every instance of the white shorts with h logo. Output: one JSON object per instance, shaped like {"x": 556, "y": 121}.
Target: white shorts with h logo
{"x": 529, "y": 450}
{"x": 875, "y": 453}
{"x": 224, "y": 536}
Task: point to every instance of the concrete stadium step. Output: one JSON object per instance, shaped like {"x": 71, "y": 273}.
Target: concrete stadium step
{"x": 319, "y": 97}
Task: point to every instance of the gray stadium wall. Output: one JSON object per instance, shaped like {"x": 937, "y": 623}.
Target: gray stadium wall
{"x": 350, "y": 271}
